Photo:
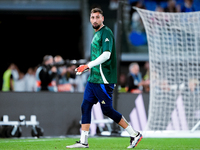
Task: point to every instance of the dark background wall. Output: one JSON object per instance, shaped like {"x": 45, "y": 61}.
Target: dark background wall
{"x": 57, "y": 113}
{"x": 26, "y": 36}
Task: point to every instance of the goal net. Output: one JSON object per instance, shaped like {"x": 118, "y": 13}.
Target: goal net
{"x": 174, "y": 57}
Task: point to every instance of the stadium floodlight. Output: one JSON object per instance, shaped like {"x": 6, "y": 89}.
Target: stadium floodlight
{"x": 174, "y": 50}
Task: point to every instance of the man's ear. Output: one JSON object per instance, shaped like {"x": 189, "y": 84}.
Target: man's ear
{"x": 103, "y": 18}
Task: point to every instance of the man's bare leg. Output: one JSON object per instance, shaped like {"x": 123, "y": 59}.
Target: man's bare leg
{"x": 85, "y": 127}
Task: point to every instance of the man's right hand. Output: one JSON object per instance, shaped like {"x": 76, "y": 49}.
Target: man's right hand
{"x": 81, "y": 69}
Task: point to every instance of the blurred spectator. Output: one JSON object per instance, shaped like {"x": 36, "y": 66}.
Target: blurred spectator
{"x": 193, "y": 85}
{"x": 8, "y": 81}
{"x": 146, "y": 78}
{"x": 30, "y": 80}
{"x": 134, "y": 3}
{"x": 159, "y": 8}
{"x": 137, "y": 26}
{"x": 45, "y": 75}
{"x": 15, "y": 73}
{"x": 19, "y": 84}
{"x": 172, "y": 7}
{"x": 164, "y": 85}
{"x": 134, "y": 80}
{"x": 63, "y": 75}
{"x": 188, "y": 6}
{"x": 122, "y": 83}
{"x": 136, "y": 21}
{"x": 113, "y": 4}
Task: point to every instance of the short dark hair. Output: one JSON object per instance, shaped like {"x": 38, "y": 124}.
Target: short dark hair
{"x": 94, "y": 10}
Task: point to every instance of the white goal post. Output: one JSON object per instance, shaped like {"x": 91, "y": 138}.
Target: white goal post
{"x": 174, "y": 58}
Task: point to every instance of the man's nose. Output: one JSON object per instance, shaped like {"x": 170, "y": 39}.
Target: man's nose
{"x": 95, "y": 19}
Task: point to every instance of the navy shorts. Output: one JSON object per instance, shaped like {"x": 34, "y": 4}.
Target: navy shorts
{"x": 95, "y": 92}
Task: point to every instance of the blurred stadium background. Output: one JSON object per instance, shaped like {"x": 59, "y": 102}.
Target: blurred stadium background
{"x": 30, "y": 29}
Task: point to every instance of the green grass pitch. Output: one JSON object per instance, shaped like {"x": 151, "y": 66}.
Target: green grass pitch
{"x": 101, "y": 143}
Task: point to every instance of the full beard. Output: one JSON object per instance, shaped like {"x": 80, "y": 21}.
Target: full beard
{"x": 96, "y": 27}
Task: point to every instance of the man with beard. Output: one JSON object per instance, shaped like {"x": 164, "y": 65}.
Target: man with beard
{"x": 101, "y": 82}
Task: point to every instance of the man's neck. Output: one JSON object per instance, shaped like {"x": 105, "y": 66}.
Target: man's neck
{"x": 99, "y": 28}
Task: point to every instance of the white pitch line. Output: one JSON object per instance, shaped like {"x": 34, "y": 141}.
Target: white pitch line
{"x": 31, "y": 140}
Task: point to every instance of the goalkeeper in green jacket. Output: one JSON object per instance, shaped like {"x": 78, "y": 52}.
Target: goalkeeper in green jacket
{"x": 101, "y": 82}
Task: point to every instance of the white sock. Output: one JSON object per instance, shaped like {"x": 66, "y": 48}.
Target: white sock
{"x": 131, "y": 132}
{"x": 84, "y": 137}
